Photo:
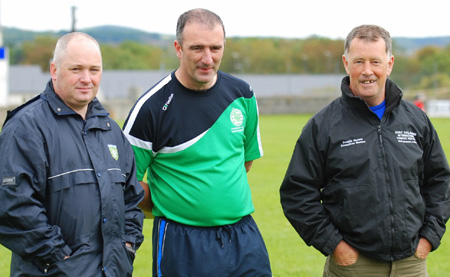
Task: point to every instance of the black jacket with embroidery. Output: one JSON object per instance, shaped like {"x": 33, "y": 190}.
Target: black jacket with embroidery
{"x": 68, "y": 188}
{"x": 379, "y": 185}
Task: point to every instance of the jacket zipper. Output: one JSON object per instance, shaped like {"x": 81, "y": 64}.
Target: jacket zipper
{"x": 391, "y": 208}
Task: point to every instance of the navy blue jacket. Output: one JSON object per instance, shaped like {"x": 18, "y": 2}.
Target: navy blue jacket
{"x": 69, "y": 188}
{"x": 379, "y": 185}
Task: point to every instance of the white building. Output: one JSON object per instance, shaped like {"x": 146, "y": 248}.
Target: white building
{"x": 4, "y": 78}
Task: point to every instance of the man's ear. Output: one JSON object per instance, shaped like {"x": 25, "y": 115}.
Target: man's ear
{"x": 345, "y": 62}
{"x": 177, "y": 46}
{"x": 390, "y": 65}
{"x": 53, "y": 70}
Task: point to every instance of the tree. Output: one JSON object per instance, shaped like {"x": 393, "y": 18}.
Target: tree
{"x": 39, "y": 51}
{"x": 323, "y": 55}
{"x": 435, "y": 66}
{"x": 132, "y": 55}
{"x": 429, "y": 67}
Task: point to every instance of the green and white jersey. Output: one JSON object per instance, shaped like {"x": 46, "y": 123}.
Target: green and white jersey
{"x": 193, "y": 146}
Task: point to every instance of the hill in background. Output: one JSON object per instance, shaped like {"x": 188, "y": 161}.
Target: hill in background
{"x": 117, "y": 34}
{"x": 413, "y": 44}
{"x": 104, "y": 34}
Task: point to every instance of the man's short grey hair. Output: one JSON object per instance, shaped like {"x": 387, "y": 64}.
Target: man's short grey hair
{"x": 201, "y": 16}
{"x": 369, "y": 33}
{"x": 61, "y": 45}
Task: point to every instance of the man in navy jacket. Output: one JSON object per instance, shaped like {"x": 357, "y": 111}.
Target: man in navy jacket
{"x": 69, "y": 193}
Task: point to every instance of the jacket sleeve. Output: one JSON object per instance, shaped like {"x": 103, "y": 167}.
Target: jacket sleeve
{"x": 300, "y": 194}
{"x": 133, "y": 194}
{"x": 435, "y": 189}
{"x": 24, "y": 227}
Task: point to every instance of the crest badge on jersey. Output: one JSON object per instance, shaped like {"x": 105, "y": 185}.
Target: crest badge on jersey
{"x": 237, "y": 118}
{"x": 113, "y": 151}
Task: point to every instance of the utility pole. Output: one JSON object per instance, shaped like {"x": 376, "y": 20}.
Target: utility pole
{"x": 74, "y": 19}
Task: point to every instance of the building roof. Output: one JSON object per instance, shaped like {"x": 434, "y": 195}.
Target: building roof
{"x": 27, "y": 79}
{"x": 120, "y": 84}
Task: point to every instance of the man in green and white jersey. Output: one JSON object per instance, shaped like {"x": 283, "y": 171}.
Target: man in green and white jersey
{"x": 195, "y": 135}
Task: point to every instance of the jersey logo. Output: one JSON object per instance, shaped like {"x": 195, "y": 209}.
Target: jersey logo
{"x": 113, "y": 151}
{"x": 166, "y": 105}
{"x": 237, "y": 118}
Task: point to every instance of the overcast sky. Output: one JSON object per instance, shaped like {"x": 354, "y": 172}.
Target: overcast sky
{"x": 281, "y": 18}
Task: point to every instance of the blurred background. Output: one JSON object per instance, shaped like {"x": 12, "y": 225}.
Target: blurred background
{"x": 289, "y": 51}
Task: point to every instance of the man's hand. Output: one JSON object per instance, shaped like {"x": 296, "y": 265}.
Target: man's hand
{"x": 130, "y": 248}
{"x": 344, "y": 254}
{"x": 248, "y": 165}
{"x": 146, "y": 204}
{"x": 423, "y": 249}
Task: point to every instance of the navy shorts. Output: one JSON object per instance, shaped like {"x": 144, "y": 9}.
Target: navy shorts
{"x": 230, "y": 250}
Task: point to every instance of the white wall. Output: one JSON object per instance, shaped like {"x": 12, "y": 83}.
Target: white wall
{"x": 438, "y": 108}
{"x": 4, "y": 65}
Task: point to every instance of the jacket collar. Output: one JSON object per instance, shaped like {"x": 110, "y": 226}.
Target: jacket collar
{"x": 393, "y": 95}
{"x": 95, "y": 108}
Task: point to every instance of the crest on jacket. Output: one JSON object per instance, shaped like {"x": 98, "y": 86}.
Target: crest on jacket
{"x": 113, "y": 151}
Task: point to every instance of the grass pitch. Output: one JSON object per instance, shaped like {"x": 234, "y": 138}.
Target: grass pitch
{"x": 288, "y": 253}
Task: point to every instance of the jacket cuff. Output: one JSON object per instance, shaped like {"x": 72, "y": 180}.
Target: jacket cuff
{"x": 331, "y": 244}
{"x": 131, "y": 239}
{"x": 61, "y": 254}
{"x": 431, "y": 236}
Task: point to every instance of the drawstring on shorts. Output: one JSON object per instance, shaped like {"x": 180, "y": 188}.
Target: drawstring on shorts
{"x": 220, "y": 233}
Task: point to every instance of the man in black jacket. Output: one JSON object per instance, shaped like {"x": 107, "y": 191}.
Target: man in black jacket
{"x": 69, "y": 193}
{"x": 368, "y": 184}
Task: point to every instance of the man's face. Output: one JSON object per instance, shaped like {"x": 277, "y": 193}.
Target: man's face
{"x": 76, "y": 80}
{"x": 368, "y": 67}
{"x": 200, "y": 55}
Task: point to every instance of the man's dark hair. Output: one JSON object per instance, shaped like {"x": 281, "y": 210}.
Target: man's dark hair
{"x": 201, "y": 16}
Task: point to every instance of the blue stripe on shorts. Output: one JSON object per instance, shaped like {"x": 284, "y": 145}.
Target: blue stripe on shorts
{"x": 162, "y": 227}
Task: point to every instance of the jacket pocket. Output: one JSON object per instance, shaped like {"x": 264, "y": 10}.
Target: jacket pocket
{"x": 71, "y": 178}
{"x": 414, "y": 210}
{"x": 81, "y": 264}
{"x": 117, "y": 183}
{"x": 352, "y": 209}
{"x": 73, "y": 203}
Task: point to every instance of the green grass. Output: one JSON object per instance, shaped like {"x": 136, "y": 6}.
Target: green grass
{"x": 288, "y": 253}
